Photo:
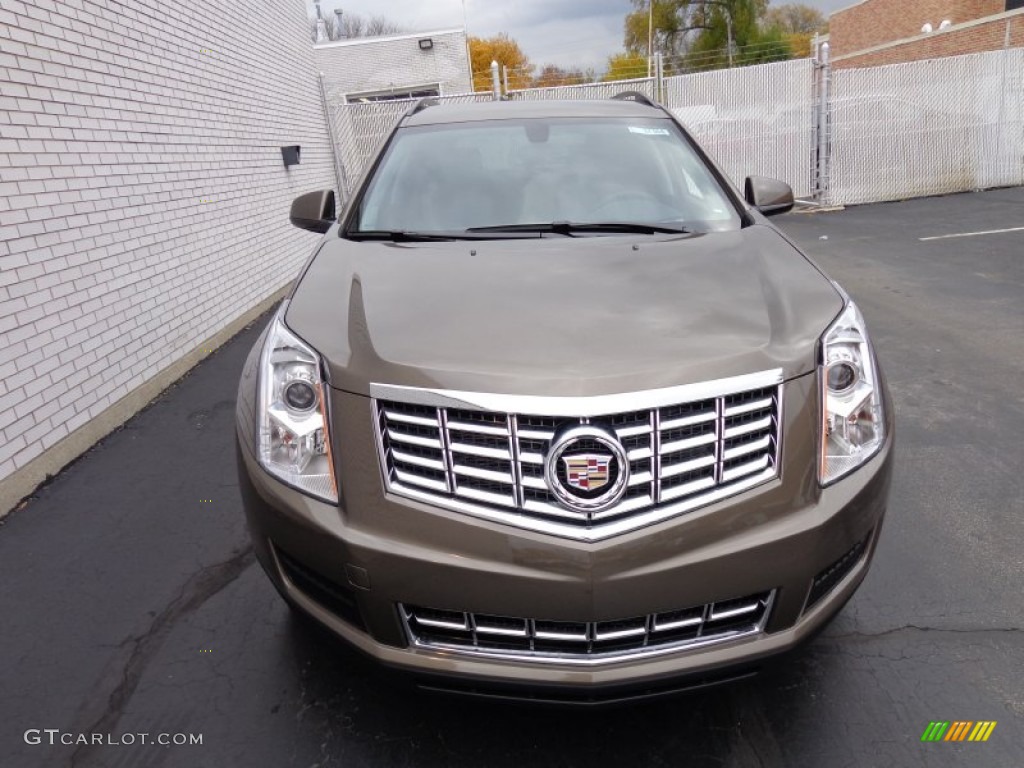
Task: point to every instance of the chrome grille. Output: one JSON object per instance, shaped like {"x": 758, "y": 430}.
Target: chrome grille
{"x": 586, "y": 642}
{"x": 436, "y": 448}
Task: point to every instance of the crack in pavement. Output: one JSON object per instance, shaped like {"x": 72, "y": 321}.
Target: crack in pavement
{"x": 199, "y": 588}
{"x": 918, "y": 628}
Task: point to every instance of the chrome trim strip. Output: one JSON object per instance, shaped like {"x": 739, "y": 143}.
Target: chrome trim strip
{"x": 746, "y": 429}
{"x": 422, "y": 442}
{"x": 426, "y": 482}
{"x": 439, "y": 624}
{"x": 446, "y": 451}
{"x": 477, "y": 429}
{"x": 419, "y": 461}
{"x": 592, "y": 659}
{"x": 690, "y": 442}
{"x": 480, "y": 451}
{"x": 681, "y": 624}
{"x": 757, "y": 405}
{"x": 405, "y": 418}
{"x": 760, "y": 444}
{"x": 743, "y": 610}
{"x": 575, "y": 531}
{"x": 729, "y": 475}
{"x": 578, "y": 407}
{"x": 689, "y": 421}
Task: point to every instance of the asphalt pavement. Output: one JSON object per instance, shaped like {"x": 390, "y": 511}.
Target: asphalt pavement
{"x": 130, "y": 601}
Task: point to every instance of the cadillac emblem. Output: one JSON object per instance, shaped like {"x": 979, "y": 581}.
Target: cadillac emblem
{"x": 586, "y": 469}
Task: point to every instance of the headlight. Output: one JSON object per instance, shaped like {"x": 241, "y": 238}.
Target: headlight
{"x": 292, "y": 433}
{"x": 853, "y": 419}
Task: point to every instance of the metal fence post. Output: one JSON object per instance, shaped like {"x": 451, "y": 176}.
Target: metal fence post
{"x": 659, "y": 78}
{"x": 823, "y": 69}
{"x": 495, "y": 81}
{"x": 339, "y": 168}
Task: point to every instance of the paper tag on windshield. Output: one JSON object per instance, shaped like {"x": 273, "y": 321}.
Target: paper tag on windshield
{"x": 648, "y": 131}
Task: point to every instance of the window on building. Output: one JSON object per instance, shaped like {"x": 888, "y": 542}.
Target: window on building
{"x": 1012, "y": 5}
{"x": 392, "y": 94}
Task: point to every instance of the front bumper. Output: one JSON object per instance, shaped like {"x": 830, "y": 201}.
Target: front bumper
{"x": 350, "y": 566}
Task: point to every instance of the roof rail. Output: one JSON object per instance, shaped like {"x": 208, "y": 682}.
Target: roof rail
{"x": 634, "y": 96}
{"x": 419, "y": 106}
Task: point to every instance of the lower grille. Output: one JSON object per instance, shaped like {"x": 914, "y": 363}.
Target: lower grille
{"x": 586, "y": 642}
{"x": 827, "y": 580}
{"x": 330, "y": 595}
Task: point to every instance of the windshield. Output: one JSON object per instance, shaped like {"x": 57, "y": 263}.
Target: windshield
{"x": 455, "y": 177}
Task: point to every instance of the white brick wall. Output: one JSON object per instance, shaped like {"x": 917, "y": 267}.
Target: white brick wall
{"x": 378, "y": 64}
{"x": 143, "y": 199}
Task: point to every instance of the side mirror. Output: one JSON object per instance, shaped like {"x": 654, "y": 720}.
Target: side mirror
{"x": 314, "y": 211}
{"x": 769, "y": 196}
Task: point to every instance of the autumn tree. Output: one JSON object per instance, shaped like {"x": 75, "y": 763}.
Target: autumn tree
{"x": 552, "y": 76}
{"x": 625, "y": 66}
{"x": 797, "y": 23}
{"x": 796, "y": 18}
{"x": 504, "y": 50}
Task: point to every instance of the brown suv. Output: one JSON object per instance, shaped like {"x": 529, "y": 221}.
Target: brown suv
{"x": 553, "y": 411}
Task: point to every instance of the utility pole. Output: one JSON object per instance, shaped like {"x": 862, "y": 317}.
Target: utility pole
{"x": 726, "y": 6}
{"x": 650, "y": 36}
{"x": 728, "y": 32}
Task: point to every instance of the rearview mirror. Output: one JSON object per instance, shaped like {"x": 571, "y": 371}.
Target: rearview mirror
{"x": 314, "y": 210}
{"x": 769, "y": 196}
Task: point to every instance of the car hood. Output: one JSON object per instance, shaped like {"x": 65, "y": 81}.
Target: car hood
{"x": 562, "y": 316}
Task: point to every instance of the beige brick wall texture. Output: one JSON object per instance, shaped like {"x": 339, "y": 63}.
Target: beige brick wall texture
{"x": 370, "y": 64}
{"x": 143, "y": 198}
{"x": 890, "y": 30}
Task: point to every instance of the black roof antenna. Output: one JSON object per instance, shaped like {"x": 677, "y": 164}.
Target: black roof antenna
{"x": 419, "y": 106}
{"x": 634, "y": 96}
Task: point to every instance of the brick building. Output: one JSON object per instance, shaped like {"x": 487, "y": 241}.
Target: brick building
{"x": 396, "y": 66}
{"x": 875, "y": 32}
{"x": 143, "y": 202}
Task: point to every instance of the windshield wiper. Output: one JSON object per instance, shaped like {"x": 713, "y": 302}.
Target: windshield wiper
{"x": 570, "y": 228}
{"x": 401, "y": 236}
{"x": 406, "y": 236}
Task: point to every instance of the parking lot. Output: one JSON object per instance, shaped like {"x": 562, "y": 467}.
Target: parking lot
{"x": 131, "y": 602}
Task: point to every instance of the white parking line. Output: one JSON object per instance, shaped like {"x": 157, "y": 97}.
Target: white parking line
{"x": 972, "y": 234}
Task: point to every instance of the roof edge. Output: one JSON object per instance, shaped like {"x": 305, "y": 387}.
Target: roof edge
{"x": 387, "y": 38}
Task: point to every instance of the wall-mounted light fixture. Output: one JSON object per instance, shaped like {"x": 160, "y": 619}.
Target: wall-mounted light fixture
{"x": 291, "y": 155}
{"x": 426, "y": 44}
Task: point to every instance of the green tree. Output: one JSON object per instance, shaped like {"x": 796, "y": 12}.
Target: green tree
{"x": 696, "y": 33}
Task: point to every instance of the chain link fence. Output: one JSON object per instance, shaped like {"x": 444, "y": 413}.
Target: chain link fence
{"x": 360, "y": 128}
{"x": 754, "y": 121}
{"x": 926, "y": 127}
{"x": 647, "y": 86}
{"x": 838, "y": 137}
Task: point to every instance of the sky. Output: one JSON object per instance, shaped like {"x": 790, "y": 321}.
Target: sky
{"x": 569, "y": 33}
